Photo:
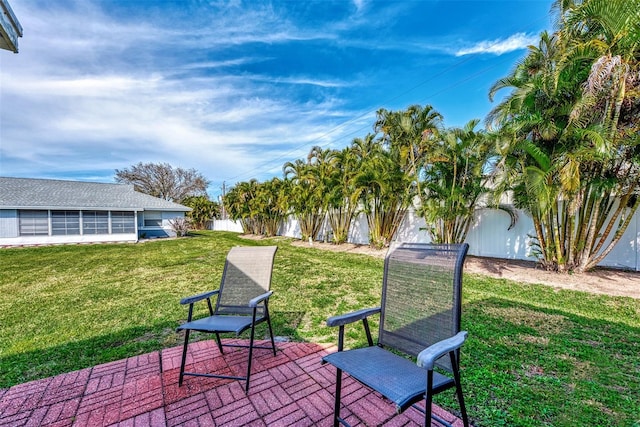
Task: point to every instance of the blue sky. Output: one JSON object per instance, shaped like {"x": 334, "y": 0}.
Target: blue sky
{"x": 234, "y": 89}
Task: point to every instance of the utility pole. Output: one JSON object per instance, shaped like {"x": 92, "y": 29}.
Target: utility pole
{"x": 224, "y": 189}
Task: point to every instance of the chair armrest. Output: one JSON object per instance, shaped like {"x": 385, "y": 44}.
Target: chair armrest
{"x": 428, "y": 356}
{"x": 257, "y": 300}
{"x": 354, "y": 316}
{"x": 199, "y": 297}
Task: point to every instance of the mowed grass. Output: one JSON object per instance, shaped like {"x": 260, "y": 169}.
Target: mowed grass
{"x": 535, "y": 356}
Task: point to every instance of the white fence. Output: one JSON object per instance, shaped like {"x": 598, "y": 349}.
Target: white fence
{"x": 488, "y": 237}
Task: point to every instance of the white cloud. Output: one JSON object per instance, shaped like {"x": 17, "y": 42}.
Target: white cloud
{"x": 114, "y": 121}
{"x": 359, "y": 4}
{"x": 500, "y": 46}
{"x": 300, "y": 80}
{"x": 95, "y": 95}
{"x": 222, "y": 64}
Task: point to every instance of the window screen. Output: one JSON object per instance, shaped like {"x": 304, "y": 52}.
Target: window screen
{"x": 65, "y": 223}
{"x": 95, "y": 222}
{"x": 34, "y": 223}
{"x": 122, "y": 222}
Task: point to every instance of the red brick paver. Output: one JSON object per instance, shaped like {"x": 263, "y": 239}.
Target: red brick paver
{"x": 290, "y": 389}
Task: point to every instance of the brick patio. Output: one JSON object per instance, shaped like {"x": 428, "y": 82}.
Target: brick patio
{"x": 291, "y": 389}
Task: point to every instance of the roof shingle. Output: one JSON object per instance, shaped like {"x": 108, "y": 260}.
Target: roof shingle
{"x": 30, "y": 193}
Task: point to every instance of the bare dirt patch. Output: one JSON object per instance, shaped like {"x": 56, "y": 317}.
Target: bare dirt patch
{"x": 600, "y": 281}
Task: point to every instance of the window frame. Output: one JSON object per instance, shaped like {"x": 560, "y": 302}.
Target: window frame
{"x": 152, "y": 219}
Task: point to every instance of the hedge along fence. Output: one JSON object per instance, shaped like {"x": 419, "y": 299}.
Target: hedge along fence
{"x": 489, "y": 236}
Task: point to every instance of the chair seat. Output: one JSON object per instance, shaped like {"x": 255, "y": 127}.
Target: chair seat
{"x": 220, "y": 323}
{"x": 396, "y": 378}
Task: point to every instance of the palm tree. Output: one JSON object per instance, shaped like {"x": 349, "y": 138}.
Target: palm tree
{"x": 203, "y": 210}
{"x": 571, "y": 121}
{"x": 260, "y": 207}
{"x": 385, "y": 191}
{"x": 409, "y": 132}
{"x": 609, "y": 112}
{"x": 306, "y": 197}
{"x": 531, "y": 120}
{"x": 271, "y": 202}
{"x": 237, "y": 204}
{"x": 342, "y": 194}
{"x": 391, "y": 165}
{"x": 455, "y": 166}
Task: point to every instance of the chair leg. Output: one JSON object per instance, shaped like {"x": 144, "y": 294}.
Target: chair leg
{"x": 456, "y": 376}
{"x": 219, "y": 342}
{"x": 336, "y": 409}
{"x": 273, "y": 344}
{"x": 428, "y": 399}
{"x": 184, "y": 356}
{"x": 463, "y": 409}
{"x": 253, "y": 326}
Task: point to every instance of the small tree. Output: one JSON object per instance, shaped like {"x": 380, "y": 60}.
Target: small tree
{"x": 163, "y": 181}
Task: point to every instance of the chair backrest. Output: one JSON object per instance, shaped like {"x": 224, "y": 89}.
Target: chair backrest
{"x": 246, "y": 275}
{"x": 421, "y": 296}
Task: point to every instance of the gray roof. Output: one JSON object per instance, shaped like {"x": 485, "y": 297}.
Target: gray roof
{"x": 29, "y": 193}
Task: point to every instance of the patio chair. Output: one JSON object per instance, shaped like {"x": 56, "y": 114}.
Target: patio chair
{"x": 242, "y": 303}
{"x": 420, "y": 317}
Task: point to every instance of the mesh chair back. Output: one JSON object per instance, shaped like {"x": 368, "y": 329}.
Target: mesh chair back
{"x": 421, "y": 296}
{"x": 246, "y": 275}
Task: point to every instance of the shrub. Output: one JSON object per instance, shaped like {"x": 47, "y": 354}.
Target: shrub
{"x": 181, "y": 226}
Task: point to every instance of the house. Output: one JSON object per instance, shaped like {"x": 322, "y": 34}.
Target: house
{"x": 10, "y": 28}
{"x": 48, "y": 211}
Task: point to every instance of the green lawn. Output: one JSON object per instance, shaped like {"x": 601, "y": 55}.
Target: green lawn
{"x": 535, "y": 356}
